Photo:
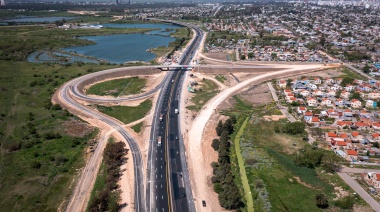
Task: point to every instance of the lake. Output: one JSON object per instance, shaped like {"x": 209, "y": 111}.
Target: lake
{"x": 117, "y": 49}
{"x": 38, "y": 19}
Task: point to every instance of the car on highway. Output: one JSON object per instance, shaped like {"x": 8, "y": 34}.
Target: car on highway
{"x": 183, "y": 195}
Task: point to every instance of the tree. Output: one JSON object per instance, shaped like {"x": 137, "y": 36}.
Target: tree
{"x": 366, "y": 68}
{"x": 376, "y": 144}
{"x": 242, "y": 57}
{"x": 355, "y": 95}
{"x": 322, "y": 201}
{"x": 215, "y": 144}
{"x": 219, "y": 128}
{"x": 250, "y": 55}
{"x": 347, "y": 80}
{"x": 322, "y": 41}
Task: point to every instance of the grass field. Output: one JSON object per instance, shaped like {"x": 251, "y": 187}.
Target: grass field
{"x": 118, "y": 87}
{"x": 127, "y": 114}
{"x": 37, "y": 168}
{"x": 137, "y": 127}
{"x": 209, "y": 90}
{"x": 352, "y": 74}
{"x": 221, "y": 78}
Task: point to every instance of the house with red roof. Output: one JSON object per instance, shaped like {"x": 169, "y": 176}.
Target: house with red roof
{"x": 301, "y": 110}
{"x": 352, "y": 155}
{"x": 282, "y": 83}
{"x": 374, "y": 179}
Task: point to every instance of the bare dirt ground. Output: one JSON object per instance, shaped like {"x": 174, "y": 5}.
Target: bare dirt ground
{"x": 76, "y": 128}
{"x": 217, "y": 55}
{"x": 257, "y": 94}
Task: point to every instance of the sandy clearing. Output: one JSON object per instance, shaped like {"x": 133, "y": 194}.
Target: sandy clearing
{"x": 197, "y": 161}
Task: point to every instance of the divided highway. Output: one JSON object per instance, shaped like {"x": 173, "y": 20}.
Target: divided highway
{"x": 168, "y": 186}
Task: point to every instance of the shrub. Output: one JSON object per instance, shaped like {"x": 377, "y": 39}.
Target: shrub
{"x": 215, "y": 144}
{"x": 322, "y": 201}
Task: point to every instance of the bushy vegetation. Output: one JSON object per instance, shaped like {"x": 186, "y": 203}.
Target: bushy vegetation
{"x": 313, "y": 157}
{"x": 292, "y": 128}
{"x": 223, "y": 178}
{"x": 107, "y": 198}
{"x": 38, "y": 157}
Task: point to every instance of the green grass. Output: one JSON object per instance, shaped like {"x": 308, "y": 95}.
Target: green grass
{"x": 243, "y": 174}
{"x": 127, "y": 114}
{"x": 24, "y": 188}
{"x": 352, "y": 74}
{"x": 137, "y": 127}
{"x": 209, "y": 90}
{"x": 221, "y": 78}
{"x": 118, "y": 87}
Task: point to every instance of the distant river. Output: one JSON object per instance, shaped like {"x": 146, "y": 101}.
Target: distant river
{"x": 126, "y": 47}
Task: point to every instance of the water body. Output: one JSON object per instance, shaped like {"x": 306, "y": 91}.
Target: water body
{"x": 122, "y": 48}
{"x": 38, "y": 19}
{"x": 117, "y": 49}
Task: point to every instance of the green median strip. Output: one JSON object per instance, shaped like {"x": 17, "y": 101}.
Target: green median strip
{"x": 243, "y": 174}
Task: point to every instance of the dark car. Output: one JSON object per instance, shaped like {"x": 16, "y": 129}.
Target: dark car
{"x": 183, "y": 195}
{"x": 204, "y": 203}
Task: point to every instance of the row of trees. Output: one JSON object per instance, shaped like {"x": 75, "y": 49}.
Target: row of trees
{"x": 223, "y": 178}
{"x": 108, "y": 198}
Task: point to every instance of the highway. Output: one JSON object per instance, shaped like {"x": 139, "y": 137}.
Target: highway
{"x": 168, "y": 186}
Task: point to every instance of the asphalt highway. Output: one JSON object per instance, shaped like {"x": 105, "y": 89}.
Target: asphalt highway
{"x": 168, "y": 186}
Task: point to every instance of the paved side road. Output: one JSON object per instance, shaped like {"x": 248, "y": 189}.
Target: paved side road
{"x": 283, "y": 110}
{"x": 359, "y": 190}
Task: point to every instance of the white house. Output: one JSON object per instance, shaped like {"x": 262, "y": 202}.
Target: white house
{"x": 318, "y": 93}
{"x": 312, "y": 86}
{"x": 349, "y": 88}
{"x": 317, "y": 81}
{"x": 370, "y": 104}
{"x": 312, "y": 102}
{"x": 374, "y": 95}
{"x": 356, "y": 103}
{"x": 305, "y": 93}
{"x": 331, "y": 93}
{"x": 345, "y": 95}
{"x": 326, "y": 102}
